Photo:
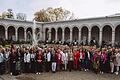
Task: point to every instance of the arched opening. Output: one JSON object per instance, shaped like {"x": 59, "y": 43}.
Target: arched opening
{"x": 29, "y": 34}
{"x": 59, "y": 33}
{"x": 38, "y": 34}
{"x": 53, "y": 34}
{"x": 67, "y": 34}
{"x": 75, "y": 33}
{"x": 46, "y": 34}
{"x": 84, "y": 33}
{"x": 2, "y": 32}
{"x": 95, "y": 33}
{"x": 37, "y": 30}
{"x": 11, "y": 33}
{"x": 117, "y": 35}
{"x": 20, "y": 33}
{"x": 107, "y": 34}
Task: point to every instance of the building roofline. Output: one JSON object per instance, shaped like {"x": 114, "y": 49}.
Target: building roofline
{"x": 82, "y": 19}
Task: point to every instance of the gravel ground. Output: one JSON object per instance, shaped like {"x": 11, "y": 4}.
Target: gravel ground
{"x": 75, "y": 75}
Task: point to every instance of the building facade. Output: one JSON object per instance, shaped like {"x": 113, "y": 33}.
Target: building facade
{"x": 102, "y": 29}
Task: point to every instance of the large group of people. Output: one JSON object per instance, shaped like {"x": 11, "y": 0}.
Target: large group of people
{"x": 45, "y": 58}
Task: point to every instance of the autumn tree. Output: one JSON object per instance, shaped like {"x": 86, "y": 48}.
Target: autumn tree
{"x": 53, "y": 14}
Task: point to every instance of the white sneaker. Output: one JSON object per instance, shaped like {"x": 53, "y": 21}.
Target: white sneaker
{"x": 37, "y": 73}
{"x": 11, "y": 73}
{"x": 116, "y": 73}
{"x": 101, "y": 72}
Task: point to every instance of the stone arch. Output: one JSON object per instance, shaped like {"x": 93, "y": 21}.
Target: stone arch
{"x": 20, "y": 33}
{"x": 84, "y": 32}
{"x": 109, "y": 24}
{"x": 53, "y": 32}
{"x": 46, "y": 33}
{"x": 38, "y": 33}
{"x": 95, "y": 31}
{"x": 75, "y": 33}
{"x": 117, "y": 34}
{"x": 107, "y": 34}
{"x": 59, "y": 33}
{"x": 2, "y": 32}
{"x": 29, "y": 33}
{"x": 37, "y": 30}
{"x": 11, "y": 33}
{"x": 67, "y": 33}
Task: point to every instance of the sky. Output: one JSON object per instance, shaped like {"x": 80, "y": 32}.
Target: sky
{"x": 80, "y": 8}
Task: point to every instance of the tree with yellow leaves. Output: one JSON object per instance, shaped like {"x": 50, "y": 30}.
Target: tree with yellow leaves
{"x": 53, "y": 14}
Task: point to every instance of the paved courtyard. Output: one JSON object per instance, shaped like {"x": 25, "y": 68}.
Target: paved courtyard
{"x": 75, "y": 75}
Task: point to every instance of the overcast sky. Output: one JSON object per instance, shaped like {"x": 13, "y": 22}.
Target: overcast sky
{"x": 80, "y": 8}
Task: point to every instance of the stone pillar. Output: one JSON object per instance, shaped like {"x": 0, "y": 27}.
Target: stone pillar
{"x": 89, "y": 36}
{"x": 49, "y": 33}
{"x": 56, "y": 35}
{"x": 79, "y": 35}
{"x": 100, "y": 38}
{"x": 16, "y": 34}
{"x": 43, "y": 36}
{"x": 70, "y": 35}
{"x": 63, "y": 35}
{"x": 25, "y": 34}
{"x": 6, "y": 34}
{"x": 113, "y": 38}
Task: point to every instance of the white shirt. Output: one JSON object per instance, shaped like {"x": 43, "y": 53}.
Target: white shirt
{"x": 48, "y": 56}
{"x": 80, "y": 55}
{"x": 88, "y": 55}
{"x": 27, "y": 57}
{"x": 7, "y": 55}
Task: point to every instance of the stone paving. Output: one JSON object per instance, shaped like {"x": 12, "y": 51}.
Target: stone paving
{"x": 75, "y": 75}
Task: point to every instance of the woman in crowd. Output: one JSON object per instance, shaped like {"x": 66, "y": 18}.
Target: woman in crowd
{"x": 118, "y": 61}
{"x": 39, "y": 61}
{"x": 96, "y": 61}
{"x": 103, "y": 61}
{"x": 76, "y": 58}
{"x": 48, "y": 56}
{"x": 87, "y": 60}
{"x": 27, "y": 61}
{"x": 81, "y": 59}
{"x": 18, "y": 61}
{"x": 13, "y": 60}
{"x": 59, "y": 59}
{"x": 65, "y": 59}
{"x": 32, "y": 60}
{"x": 2, "y": 59}
{"x": 54, "y": 60}
{"x": 112, "y": 60}
{"x": 70, "y": 60}
{"x": 7, "y": 58}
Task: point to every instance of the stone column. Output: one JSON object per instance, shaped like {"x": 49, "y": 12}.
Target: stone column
{"x": 70, "y": 35}
{"x": 6, "y": 34}
{"x": 25, "y": 34}
{"x": 56, "y": 35}
{"x": 49, "y": 33}
{"x": 89, "y": 36}
{"x": 100, "y": 38}
{"x": 63, "y": 35}
{"x": 16, "y": 34}
{"x": 43, "y": 35}
{"x": 79, "y": 35}
{"x": 113, "y": 38}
